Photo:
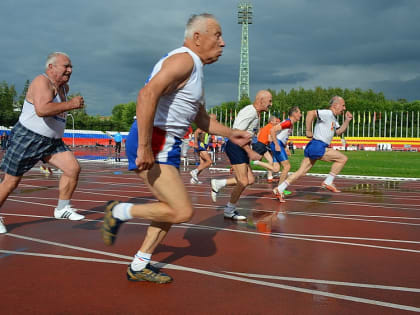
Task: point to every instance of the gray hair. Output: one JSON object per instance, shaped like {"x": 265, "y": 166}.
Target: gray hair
{"x": 292, "y": 110}
{"x": 197, "y": 23}
{"x": 334, "y": 100}
{"x": 272, "y": 118}
{"x": 51, "y": 58}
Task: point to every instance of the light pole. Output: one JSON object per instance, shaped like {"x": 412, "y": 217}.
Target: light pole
{"x": 244, "y": 18}
{"x": 72, "y": 118}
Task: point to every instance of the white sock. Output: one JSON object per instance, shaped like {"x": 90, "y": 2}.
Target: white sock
{"x": 329, "y": 179}
{"x": 256, "y": 162}
{"x": 282, "y": 187}
{"x": 220, "y": 183}
{"x": 62, "y": 204}
{"x": 122, "y": 211}
{"x": 140, "y": 261}
{"x": 230, "y": 207}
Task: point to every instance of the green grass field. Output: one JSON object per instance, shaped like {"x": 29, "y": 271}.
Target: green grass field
{"x": 368, "y": 163}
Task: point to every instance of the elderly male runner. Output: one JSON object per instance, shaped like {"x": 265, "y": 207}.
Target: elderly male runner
{"x": 170, "y": 101}
{"x": 37, "y": 135}
{"x": 280, "y": 135}
{"x": 317, "y": 149}
{"x": 248, "y": 119}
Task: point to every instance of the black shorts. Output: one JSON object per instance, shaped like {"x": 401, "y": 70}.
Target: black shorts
{"x": 118, "y": 147}
{"x": 26, "y": 148}
{"x": 260, "y": 148}
{"x": 236, "y": 154}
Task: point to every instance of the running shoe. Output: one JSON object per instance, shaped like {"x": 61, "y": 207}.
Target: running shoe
{"x": 68, "y": 213}
{"x": 194, "y": 176}
{"x": 214, "y": 190}
{"x": 278, "y": 195}
{"x": 2, "y": 226}
{"x": 231, "y": 213}
{"x": 111, "y": 225}
{"x": 286, "y": 192}
{"x": 270, "y": 180}
{"x": 194, "y": 182}
{"x": 149, "y": 273}
{"x": 331, "y": 188}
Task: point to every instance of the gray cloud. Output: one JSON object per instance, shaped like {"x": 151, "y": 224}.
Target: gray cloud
{"x": 114, "y": 45}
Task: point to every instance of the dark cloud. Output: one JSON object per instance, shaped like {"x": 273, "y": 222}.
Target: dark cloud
{"x": 114, "y": 45}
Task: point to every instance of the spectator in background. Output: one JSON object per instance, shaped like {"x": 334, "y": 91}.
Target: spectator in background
{"x": 4, "y": 138}
{"x": 118, "y": 139}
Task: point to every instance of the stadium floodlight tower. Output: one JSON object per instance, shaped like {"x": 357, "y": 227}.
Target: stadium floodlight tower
{"x": 244, "y": 18}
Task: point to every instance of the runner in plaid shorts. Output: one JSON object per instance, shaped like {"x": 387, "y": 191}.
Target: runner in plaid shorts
{"x": 38, "y": 135}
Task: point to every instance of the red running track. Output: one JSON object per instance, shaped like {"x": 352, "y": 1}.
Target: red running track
{"x": 357, "y": 252}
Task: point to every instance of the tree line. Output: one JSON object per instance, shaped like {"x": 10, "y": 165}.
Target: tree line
{"x": 357, "y": 100}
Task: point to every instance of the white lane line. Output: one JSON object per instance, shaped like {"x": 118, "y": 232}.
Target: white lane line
{"x": 339, "y": 283}
{"x": 235, "y": 278}
{"x": 277, "y": 235}
{"x": 65, "y": 257}
{"x": 355, "y": 219}
{"x": 351, "y": 215}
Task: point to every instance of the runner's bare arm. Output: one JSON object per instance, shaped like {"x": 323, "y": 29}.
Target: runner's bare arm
{"x": 309, "y": 119}
{"x": 41, "y": 94}
{"x": 345, "y": 124}
{"x": 213, "y": 127}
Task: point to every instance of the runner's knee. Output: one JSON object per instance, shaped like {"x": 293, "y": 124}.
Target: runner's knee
{"x": 181, "y": 216}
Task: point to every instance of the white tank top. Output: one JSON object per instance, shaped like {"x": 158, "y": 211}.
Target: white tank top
{"x": 247, "y": 119}
{"x": 176, "y": 111}
{"x": 325, "y": 126}
{"x": 51, "y": 126}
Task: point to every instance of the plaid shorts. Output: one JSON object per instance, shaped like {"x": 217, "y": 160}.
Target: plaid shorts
{"x": 26, "y": 148}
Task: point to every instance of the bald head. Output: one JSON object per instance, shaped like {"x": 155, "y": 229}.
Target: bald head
{"x": 263, "y": 101}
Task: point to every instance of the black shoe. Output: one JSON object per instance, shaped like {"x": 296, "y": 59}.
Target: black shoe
{"x": 149, "y": 273}
{"x": 111, "y": 225}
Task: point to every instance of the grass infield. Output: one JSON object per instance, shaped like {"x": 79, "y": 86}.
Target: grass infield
{"x": 367, "y": 163}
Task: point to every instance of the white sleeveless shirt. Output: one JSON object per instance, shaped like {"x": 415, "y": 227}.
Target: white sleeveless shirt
{"x": 176, "y": 111}
{"x": 325, "y": 126}
{"x": 51, "y": 126}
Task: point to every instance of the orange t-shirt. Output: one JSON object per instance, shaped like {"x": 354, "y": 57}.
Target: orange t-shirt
{"x": 264, "y": 133}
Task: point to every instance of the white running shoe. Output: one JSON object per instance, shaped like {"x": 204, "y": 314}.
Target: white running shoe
{"x": 194, "y": 182}
{"x": 233, "y": 214}
{"x": 194, "y": 175}
{"x": 214, "y": 190}
{"x": 2, "y": 227}
{"x": 68, "y": 213}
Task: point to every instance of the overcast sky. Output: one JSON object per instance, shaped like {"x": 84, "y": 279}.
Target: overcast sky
{"x": 292, "y": 43}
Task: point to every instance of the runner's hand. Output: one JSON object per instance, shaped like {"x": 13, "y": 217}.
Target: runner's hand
{"x": 254, "y": 156}
{"x": 309, "y": 134}
{"x": 240, "y": 137}
{"x": 145, "y": 158}
{"x": 77, "y": 102}
{"x": 349, "y": 116}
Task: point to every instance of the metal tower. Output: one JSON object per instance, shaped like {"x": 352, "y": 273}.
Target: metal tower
{"x": 244, "y": 18}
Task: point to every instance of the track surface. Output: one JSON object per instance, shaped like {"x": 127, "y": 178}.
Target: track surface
{"x": 357, "y": 252}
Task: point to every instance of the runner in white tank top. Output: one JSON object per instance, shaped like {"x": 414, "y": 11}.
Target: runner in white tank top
{"x": 316, "y": 149}
{"x": 37, "y": 135}
{"x": 171, "y": 99}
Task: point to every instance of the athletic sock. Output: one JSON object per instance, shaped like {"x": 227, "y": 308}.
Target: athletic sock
{"x": 62, "y": 204}
{"x": 140, "y": 261}
{"x": 329, "y": 179}
{"x": 230, "y": 207}
{"x": 122, "y": 211}
{"x": 282, "y": 187}
{"x": 220, "y": 183}
{"x": 256, "y": 162}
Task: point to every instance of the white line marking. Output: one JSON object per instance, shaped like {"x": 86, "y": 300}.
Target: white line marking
{"x": 230, "y": 277}
{"x": 339, "y": 283}
{"x": 278, "y": 235}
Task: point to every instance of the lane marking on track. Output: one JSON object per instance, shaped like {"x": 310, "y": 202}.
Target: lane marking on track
{"x": 338, "y": 283}
{"x": 276, "y": 235}
{"x": 217, "y": 275}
